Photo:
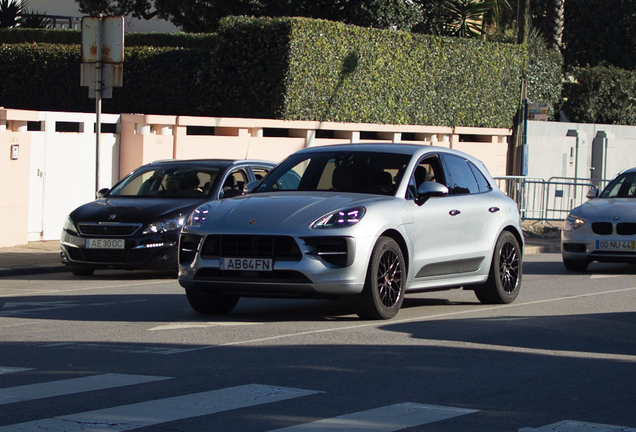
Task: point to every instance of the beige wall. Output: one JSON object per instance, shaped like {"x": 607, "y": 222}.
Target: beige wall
{"x": 14, "y": 193}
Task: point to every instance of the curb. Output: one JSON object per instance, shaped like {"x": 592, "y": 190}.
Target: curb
{"x": 26, "y": 271}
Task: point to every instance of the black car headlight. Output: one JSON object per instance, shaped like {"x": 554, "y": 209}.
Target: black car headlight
{"x": 340, "y": 218}
{"x": 165, "y": 225}
{"x": 198, "y": 216}
{"x": 572, "y": 223}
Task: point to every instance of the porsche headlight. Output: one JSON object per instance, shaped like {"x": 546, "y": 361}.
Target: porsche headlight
{"x": 69, "y": 225}
{"x": 572, "y": 223}
{"x": 165, "y": 225}
{"x": 198, "y": 216}
{"x": 340, "y": 218}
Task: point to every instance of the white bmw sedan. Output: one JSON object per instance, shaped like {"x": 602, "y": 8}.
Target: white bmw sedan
{"x": 604, "y": 228}
{"x": 365, "y": 222}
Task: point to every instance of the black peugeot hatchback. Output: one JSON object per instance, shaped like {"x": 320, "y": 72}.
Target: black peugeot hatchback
{"x": 136, "y": 223}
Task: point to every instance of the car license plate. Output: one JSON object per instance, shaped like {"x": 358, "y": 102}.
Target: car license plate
{"x": 617, "y": 245}
{"x": 105, "y": 243}
{"x": 253, "y": 264}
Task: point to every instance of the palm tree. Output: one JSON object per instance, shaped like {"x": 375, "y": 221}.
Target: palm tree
{"x": 35, "y": 19}
{"x": 555, "y": 24}
{"x": 10, "y": 12}
{"x": 469, "y": 17}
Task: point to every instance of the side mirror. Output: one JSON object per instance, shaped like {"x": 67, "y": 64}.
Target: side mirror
{"x": 430, "y": 189}
{"x": 592, "y": 193}
{"x": 100, "y": 193}
{"x": 248, "y": 187}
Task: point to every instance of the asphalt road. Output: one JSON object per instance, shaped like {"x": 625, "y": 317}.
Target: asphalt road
{"x": 123, "y": 350}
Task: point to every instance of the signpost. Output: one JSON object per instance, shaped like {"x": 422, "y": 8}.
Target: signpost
{"x": 102, "y": 65}
{"x": 538, "y": 111}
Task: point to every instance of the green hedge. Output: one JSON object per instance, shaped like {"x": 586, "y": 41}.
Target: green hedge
{"x": 133, "y": 39}
{"x": 287, "y": 68}
{"x": 605, "y": 95}
{"x": 545, "y": 76}
{"x": 327, "y": 71}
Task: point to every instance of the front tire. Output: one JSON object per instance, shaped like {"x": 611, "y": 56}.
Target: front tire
{"x": 383, "y": 291}
{"x": 575, "y": 265}
{"x": 211, "y": 304}
{"x": 504, "y": 278}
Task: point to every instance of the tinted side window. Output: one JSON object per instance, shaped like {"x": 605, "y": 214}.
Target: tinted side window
{"x": 483, "y": 184}
{"x": 461, "y": 177}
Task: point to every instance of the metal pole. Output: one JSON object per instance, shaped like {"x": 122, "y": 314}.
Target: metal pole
{"x": 98, "y": 99}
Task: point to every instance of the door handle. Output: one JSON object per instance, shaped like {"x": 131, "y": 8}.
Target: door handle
{"x": 454, "y": 212}
{"x": 494, "y": 209}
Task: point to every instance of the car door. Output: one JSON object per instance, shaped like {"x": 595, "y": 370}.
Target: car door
{"x": 477, "y": 207}
{"x": 434, "y": 233}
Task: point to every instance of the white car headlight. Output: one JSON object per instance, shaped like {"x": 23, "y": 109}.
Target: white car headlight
{"x": 165, "y": 225}
{"x": 572, "y": 223}
{"x": 340, "y": 218}
{"x": 198, "y": 216}
{"x": 69, "y": 225}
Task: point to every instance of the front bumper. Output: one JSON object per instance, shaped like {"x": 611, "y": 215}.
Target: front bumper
{"x": 584, "y": 245}
{"x": 158, "y": 252}
{"x": 314, "y": 272}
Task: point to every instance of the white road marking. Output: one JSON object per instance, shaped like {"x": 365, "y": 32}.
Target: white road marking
{"x": 385, "y": 419}
{"x": 72, "y": 386}
{"x": 7, "y": 369}
{"x": 576, "y": 426}
{"x": 187, "y": 325}
{"x": 604, "y": 276}
{"x": 434, "y": 317}
{"x": 38, "y": 292}
{"x": 143, "y": 414}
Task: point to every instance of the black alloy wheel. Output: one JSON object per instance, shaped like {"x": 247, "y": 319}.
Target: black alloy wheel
{"x": 383, "y": 291}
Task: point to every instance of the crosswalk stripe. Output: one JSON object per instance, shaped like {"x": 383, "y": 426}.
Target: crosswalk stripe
{"x": 577, "y": 426}
{"x": 385, "y": 419}
{"x": 128, "y": 417}
{"x": 72, "y": 386}
{"x": 8, "y": 369}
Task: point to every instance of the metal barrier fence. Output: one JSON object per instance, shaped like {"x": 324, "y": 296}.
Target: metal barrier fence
{"x": 551, "y": 200}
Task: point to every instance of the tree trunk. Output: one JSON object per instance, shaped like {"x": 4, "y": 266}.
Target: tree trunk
{"x": 523, "y": 21}
{"x": 555, "y": 24}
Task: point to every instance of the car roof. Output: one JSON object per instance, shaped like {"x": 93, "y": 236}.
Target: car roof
{"x": 383, "y": 147}
{"x": 213, "y": 162}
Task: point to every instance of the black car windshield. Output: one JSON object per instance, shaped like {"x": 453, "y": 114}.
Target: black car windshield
{"x": 174, "y": 181}
{"x": 623, "y": 186}
{"x": 341, "y": 171}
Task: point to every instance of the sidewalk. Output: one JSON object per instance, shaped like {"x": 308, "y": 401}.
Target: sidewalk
{"x": 44, "y": 257}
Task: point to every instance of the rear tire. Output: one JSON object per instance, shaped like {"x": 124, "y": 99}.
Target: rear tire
{"x": 211, "y": 304}
{"x": 504, "y": 278}
{"x": 82, "y": 271}
{"x": 575, "y": 265}
{"x": 383, "y": 291}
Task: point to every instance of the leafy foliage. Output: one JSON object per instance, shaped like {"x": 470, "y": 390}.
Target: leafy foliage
{"x": 592, "y": 38}
{"x": 601, "y": 94}
{"x": 10, "y": 11}
{"x": 545, "y": 72}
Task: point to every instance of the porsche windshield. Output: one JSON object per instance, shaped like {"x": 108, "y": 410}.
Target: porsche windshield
{"x": 359, "y": 172}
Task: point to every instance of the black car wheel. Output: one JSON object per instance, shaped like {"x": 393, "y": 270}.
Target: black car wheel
{"x": 504, "y": 278}
{"x": 383, "y": 291}
{"x": 575, "y": 265}
{"x": 82, "y": 271}
{"x": 211, "y": 304}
